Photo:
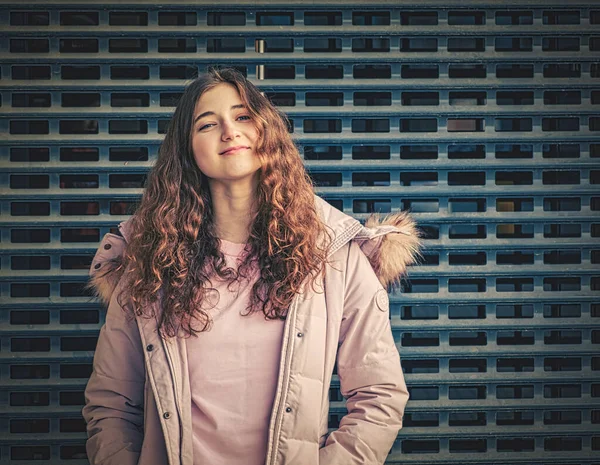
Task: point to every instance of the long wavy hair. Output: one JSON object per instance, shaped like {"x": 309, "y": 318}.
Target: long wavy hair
{"x": 173, "y": 249}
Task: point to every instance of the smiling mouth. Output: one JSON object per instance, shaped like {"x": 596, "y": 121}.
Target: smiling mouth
{"x": 233, "y": 150}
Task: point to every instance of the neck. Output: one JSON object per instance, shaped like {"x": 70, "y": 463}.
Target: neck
{"x": 234, "y": 207}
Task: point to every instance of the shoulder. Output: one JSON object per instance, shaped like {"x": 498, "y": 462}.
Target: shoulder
{"x": 107, "y": 266}
{"x": 350, "y": 265}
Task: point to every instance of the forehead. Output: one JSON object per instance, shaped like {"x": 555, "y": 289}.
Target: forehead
{"x": 222, "y": 96}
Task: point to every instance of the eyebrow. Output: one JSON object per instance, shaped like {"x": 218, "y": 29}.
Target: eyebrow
{"x": 208, "y": 113}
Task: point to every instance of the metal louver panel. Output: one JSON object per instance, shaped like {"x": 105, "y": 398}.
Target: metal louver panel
{"x": 482, "y": 118}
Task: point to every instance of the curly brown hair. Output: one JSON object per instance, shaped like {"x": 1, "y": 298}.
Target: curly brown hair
{"x": 173, "y": 249}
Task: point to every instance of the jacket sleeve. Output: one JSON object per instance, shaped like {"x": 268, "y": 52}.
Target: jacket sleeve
{"x": 114, "y": 395}
{"x": 370, "y": 374}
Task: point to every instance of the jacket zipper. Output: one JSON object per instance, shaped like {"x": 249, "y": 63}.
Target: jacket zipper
{"x": 166, "y": 346}
{"x": 282, "y": 392}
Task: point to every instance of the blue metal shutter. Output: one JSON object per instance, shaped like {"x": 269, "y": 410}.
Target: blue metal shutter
{"x": 479, "y": 117}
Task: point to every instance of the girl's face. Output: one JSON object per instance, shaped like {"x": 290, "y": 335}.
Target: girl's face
{"x": 224, "y": 136}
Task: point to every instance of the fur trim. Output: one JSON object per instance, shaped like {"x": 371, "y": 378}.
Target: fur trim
{"x": 396, "y": 251}
{"x": 103, "y": 282}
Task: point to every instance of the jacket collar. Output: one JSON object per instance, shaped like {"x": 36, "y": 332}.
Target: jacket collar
{"x": 391, "y": 243}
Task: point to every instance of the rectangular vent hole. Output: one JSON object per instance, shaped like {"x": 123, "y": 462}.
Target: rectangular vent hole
{"x": 173, "y": 72}
{"x": 562, "y": 337}
{"x": 514, "y": 258}
{"x": 420, "y": 339}
{"x": 371, "y": 72}
{"x": 370, "y": 152}
{"x": 420, "y": 446}
{"x": 419, "y": 44}
{"x": 413, "y": 366}
{"x": 372, "y": 206}
{"x": 514, "y": 284}
{"x": 562, "y": 364}
{"x": 364, "y": 179}
{"x": 514, "y": 391}
{"x": 421, "y": 286}
{"x": 466, "y": 205}
{"x": 464, "y": 446}
{"x": 371, "y": 125}
{"x": 562, "y": 284}
{"x": 466, "y": 312}
{"x": 418, "y": 152}
{"x": 424, "y": 392}
{"x": 467, "y": 419}
{"x": 79, "y": 235}
{"x": 562, "y": 70}
{"x": 515, "y": 444}
{"x": 421, "y": 420}
{"x": 465, "y": 152}
{"x": 514, "y": 97}
{"x": 562, "y": 417}
{"x": 80, "y": 72}
{"x": 515, "y": 338}
{"x": 467, "y": 231}
{"x": 476, "y": 365}
{"x": 562, "y": 391}
{"x": 514, "y": 311}
{"x": 76, "y": 262}
{"x": 322, "y": 18}
{"x": 467, "y": 71}
{"x": 467, "y": 392}
{"x": 467, "y": 259}
{"x": 514, "y": 18}
{"x": 178, "y": 18}
{"x": 557, "y": 257}
{"x": 466, "y": 178}
{"x": 419, "y": 71}
{"x": 79, "y": 181}
{"x": 514, "y": 178}
{"x": 506, "y": 71}
{"x": 29, "y": 317}
{"x": 326, "y": 179}
{"x": 419, "y": 312}
{"x": 29, "y": 399}
{"x": 514, "y": 365}
{"x": 420, "y": 98}
{"x": 513, "y": 44}
{"x": 514, "y": 418}
{"x": 327, "y": 99}
{"x": 323, "y": 72}
{"x": 418, "y": 179}
{"x": 562, "y": 310}
{"x": 467, "y": 338}
{"x": 462, "y": 98}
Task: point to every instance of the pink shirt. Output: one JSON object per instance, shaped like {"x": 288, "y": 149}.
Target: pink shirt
{"x": 233, "y": 371}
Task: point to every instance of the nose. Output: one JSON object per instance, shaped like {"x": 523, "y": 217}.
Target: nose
{"x": 229, "y": 131}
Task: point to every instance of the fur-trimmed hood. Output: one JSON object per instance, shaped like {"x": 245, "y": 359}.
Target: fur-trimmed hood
{"x": 391, "y": 243}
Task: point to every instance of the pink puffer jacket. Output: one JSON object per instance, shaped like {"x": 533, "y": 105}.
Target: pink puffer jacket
{"x": 138, "y": 405}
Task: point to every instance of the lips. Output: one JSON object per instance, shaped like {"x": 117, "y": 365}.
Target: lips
{"x": 231, "y": 150}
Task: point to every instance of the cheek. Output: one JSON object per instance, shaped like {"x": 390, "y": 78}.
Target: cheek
{"x": 200, "y": 146}
{"x": 253, "y": 134}
{"x": 199, "y": 152}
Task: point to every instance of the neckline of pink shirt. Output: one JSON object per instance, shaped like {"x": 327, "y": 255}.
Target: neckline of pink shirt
{"x": 233, "y": 249}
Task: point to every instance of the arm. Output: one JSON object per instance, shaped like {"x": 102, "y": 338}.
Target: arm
{"x": 370, "y": 373}
{"x": 114, "y": 396}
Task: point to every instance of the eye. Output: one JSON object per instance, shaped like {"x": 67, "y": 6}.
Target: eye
{"x": 246, "y": 117}
{"x": 205, "y": 126}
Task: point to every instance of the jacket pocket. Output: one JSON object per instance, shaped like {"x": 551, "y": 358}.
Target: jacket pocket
{"x": 323, "y": 439}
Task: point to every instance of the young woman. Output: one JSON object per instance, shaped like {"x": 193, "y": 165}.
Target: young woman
{"x": 232, "y": 294}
